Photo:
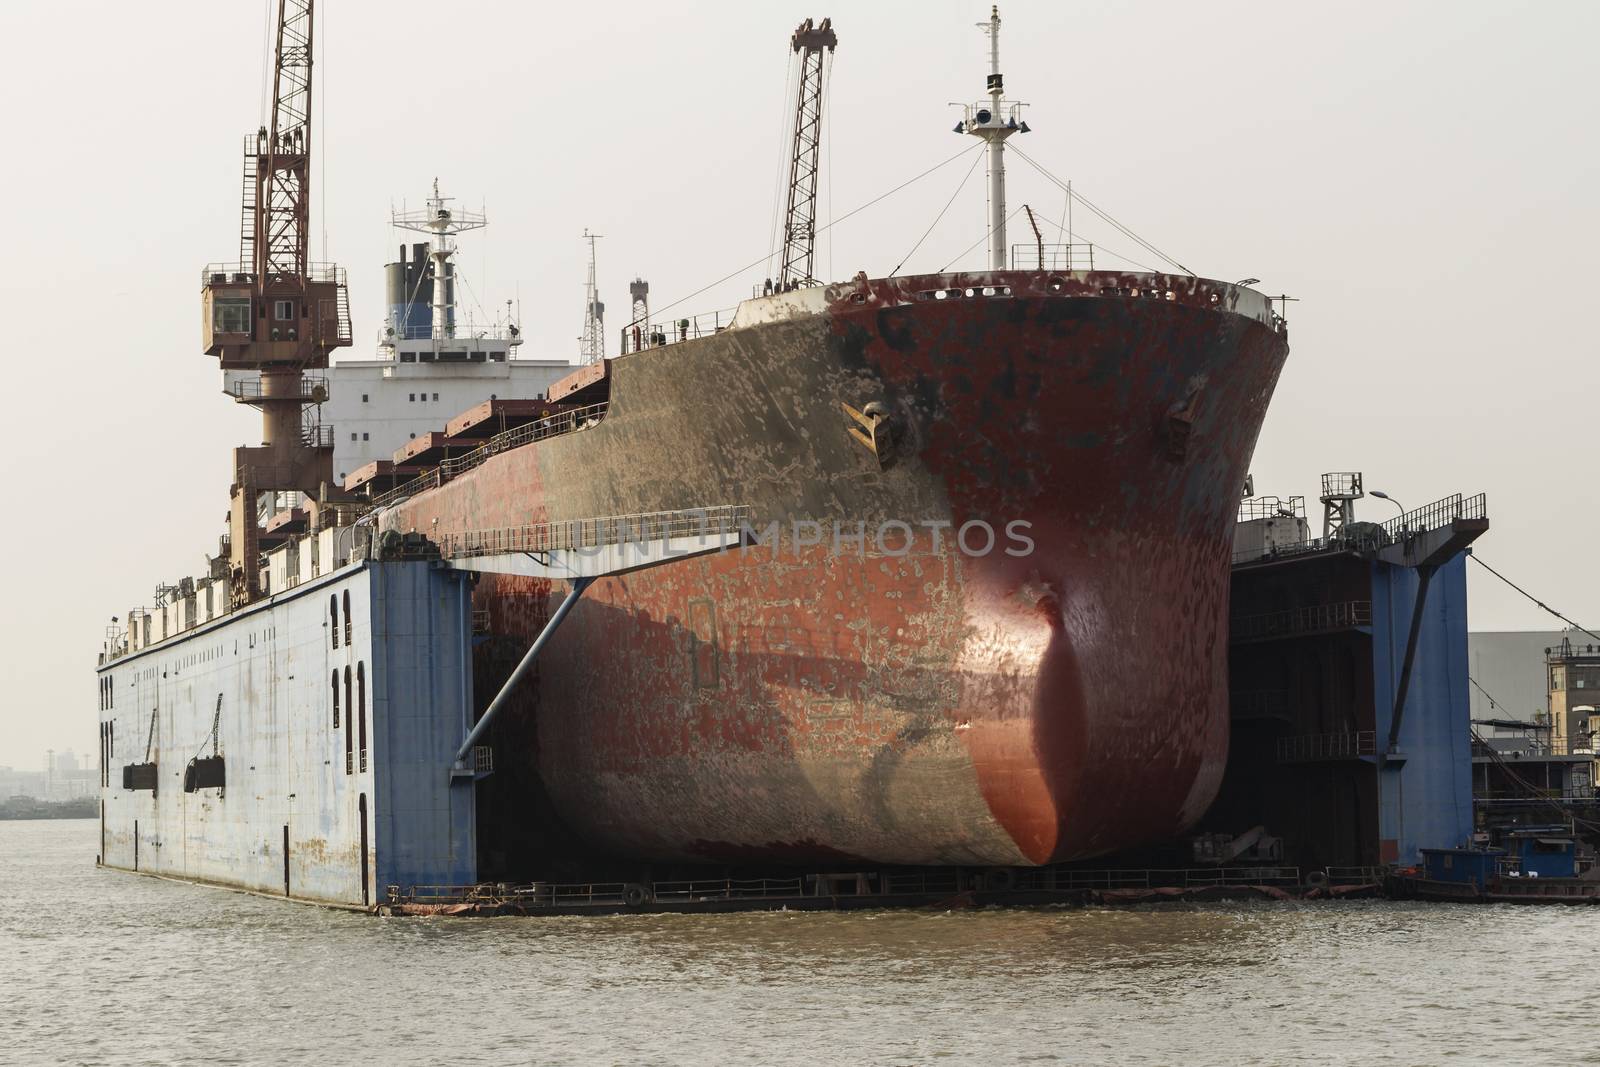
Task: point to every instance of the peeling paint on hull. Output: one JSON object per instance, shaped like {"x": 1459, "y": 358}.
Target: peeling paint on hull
{"x": 937, "y": 707}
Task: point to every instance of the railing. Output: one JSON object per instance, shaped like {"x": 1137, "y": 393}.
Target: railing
{"x": 482, "y": 759}
{"x": 1051, "y": 879}
{"x": 463, "y": 332}
{"x": 1531, "y": 744}
{"x": 229, "y": 273}
{"x": 1311, "y": 748}
{"x": 572, "y": 534}
{"x": 1271, "y": 507}
{"x": 727, "y": 889}
{"x": 1566, "y": 792}
{"x": 1311, "y": 619}
{"x": 1437, "y": 515}
{"x": 1355, "y": 875}
{"x": 639, "y": 335}
{"x": 316, "y": 436}
{"x": 563, "y": 422}
{"x": 1052, "y": 256}
{"x": 536, "y": 894}
{"x": 252, "y": 389}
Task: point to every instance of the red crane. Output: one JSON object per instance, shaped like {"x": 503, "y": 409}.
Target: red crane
{"x": 274, "y": 315}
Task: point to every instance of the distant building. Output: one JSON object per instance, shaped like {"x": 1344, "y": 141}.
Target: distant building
{"x": 1573, "y": 674}
{"x": 1510, "y": 665}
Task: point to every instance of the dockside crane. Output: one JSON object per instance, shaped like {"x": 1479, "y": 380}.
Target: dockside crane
{"x": 273, "y": 315}
{"x": 812, "y": 45}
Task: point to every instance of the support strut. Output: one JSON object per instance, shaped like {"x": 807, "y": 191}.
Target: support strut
{"x": 1424, "y": 576}
{"x": 460, "y": 767}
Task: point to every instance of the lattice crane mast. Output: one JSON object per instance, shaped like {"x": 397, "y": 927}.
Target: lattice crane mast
{"x": 274, "y": 315}
{"x": 812, "y": 45}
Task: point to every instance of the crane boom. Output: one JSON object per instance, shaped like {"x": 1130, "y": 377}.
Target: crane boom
{"x": 283, "y": 214}
{"x": 811, "y": 44}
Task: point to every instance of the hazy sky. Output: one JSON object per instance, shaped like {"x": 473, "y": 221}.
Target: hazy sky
{"x": 1420, "y": 175}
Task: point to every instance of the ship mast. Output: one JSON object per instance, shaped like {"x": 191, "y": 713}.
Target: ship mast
{"x": 441, "y": 223}
{"x": 592, "y": 345}
{"x": 274, "y": 315}
{"x": 994, "y": 122}
{"x": 810, "y": 43}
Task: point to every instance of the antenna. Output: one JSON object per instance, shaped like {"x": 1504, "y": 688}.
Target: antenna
{"x": 441, "y": 223}
{"x": 994, "y": 122}
{"x": 592, "y": 345}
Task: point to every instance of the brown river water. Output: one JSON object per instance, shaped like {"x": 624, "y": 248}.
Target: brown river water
{"x": 106, "y": 967}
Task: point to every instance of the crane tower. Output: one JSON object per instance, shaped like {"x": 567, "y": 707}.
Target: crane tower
{"x": 274, "y": 315}
{"x": 812, "y": 45}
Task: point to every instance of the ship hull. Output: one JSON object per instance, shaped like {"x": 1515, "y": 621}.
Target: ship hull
{"x": 1051, "y": 686}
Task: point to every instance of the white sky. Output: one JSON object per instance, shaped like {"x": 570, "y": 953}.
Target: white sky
{"x": 1419, "y": 175}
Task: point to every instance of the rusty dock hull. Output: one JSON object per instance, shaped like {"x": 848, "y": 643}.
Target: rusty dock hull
{"x": 893, "y": 699}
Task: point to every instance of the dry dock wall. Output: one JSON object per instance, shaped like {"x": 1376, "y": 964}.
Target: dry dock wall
{"x": 335, "y": 708}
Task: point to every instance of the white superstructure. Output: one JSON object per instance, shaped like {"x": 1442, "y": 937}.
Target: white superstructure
{"x": 376, "y": 405}
{"x": 431, "y": 365}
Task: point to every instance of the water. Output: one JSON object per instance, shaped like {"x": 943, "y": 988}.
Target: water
{"x": 108, "y": 967}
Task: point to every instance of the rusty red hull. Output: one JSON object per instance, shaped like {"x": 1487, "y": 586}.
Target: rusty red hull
{"x": 941, "y": 706}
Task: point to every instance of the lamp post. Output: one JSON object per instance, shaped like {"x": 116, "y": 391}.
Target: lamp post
{"x": 1381, "y": 495}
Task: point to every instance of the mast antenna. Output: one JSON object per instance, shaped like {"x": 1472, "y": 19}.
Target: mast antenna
{"x": 441, "y": 223}
{"x": 811, "y": 44}
{"x": 592, "y": 345}
{"x": 994, "y": 122}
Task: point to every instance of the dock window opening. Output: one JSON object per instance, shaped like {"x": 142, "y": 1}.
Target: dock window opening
{"x": 333, "y": 615}
{"x": 352, "y": 437}
{"x": 349, "y": 639}
{"x": 363, "y": 398}
{"x": 336, "y": 698}
{"x": 283, "y": 310}
{"x": 349, "y": 734}
{"x": 361, "y": 710}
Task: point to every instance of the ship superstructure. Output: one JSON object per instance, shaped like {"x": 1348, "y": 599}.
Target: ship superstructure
{"x": 964, "y": 501}
{"x": 432, "y": 361}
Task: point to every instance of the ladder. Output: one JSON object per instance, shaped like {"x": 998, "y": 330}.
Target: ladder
{"x": 247, "y": 222}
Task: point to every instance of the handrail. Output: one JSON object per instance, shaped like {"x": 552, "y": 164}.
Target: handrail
{"x": 1440, "y": 513}
{"x": 251, "y": 388}
{"x": 1306, "y": 748}
{"x": 639, "y": 335}
{"x": 577, "y": 534}
{"x": 1309, "y": 619}
{"x": 1437, "y": 515}
{"x": 315, "y": 272}
{"x": 562, "y": 422}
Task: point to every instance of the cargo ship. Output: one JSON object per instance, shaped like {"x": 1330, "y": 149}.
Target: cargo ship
{"x": 975, "y": 614}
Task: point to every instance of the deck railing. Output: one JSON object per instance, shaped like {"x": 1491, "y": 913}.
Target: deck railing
{"x": 1294, "y": 622}
{"x": 563, "y": 422}
{"x": 575, "y": 534}
{"x": 1313, "y": 748}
